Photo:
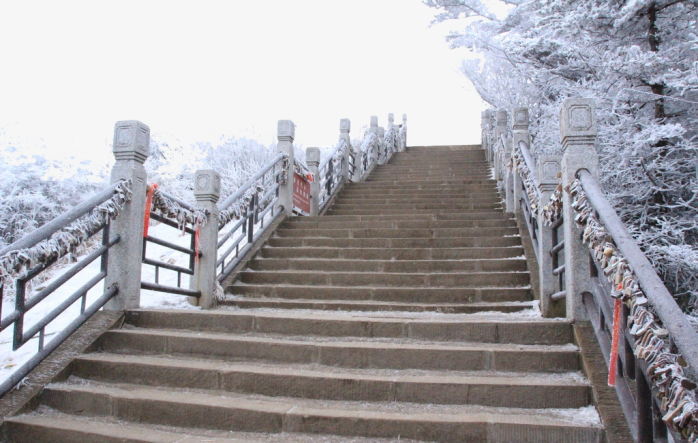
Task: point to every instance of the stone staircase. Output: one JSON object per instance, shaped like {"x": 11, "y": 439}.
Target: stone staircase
{"x": 404, "y": 314}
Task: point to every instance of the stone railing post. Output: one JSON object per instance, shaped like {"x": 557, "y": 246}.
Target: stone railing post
{"x": 500, "y": 130}
{"x": 403, "y": 139}
{"x": 578, "y": 136}
{"x": 131, "y": 148}
{"x": 382, "y": 148}
{"x": 490, "y": 117}
{"x": 344, "y": 128}
{"x": 483, "y": 135}
{"x": 373, "y": 129}
{"x": 391, "y": 124}
{"x": 312, "y": 159}
{"x": 207, "y": 190}
{"x": 519, "y": 134}
{"x": 286, "y": 132}
{"x": 549, "y": 178}
{"x": 511, "y": 177}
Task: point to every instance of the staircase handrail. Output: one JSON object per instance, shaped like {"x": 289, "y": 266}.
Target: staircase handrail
{"x": 601, "y": 271}
{"x": 330, "y": 171}
{"x": 33, "y": 254}
{"x": 232, "y": 198}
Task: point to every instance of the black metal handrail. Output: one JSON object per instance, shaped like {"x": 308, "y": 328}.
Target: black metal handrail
{"x": 250, "y": 205}
{"x": 175, "y": 213}
{"x": 330, "y": 170}
{"x": 37, "y": 252}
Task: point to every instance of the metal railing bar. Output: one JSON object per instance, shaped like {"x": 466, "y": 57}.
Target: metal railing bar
{"x": 558, "y": 295}
{"x": 61, "y": 221}
{"x": 269, "y": 193}
{"x": 168, "y": 222}
{"x": 668, "y": 311}
{"x": 51, "y": 287}
{"x": 161, "y": 264}
{"x": 37, "y": 358}
{"x": 241, "y": 191}
{"x": 65, "y": 304}
{"x": 170, "y": 289}
{"x": 559, "y": 270}
{"x": 228, "y": 269}
{"x": 229, "y": 251}
{"x": 327, "y": 159}
{"x": 557, "y": 248}
{"x": 230, "y": 233}
{"x": 180, "y": 202}
{"x": 167, "y": 244}
{"x": 523, "y": 147}
{"x": 558, "y": 222}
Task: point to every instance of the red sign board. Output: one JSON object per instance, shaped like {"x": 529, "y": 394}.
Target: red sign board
{"x": 301, "y": 194}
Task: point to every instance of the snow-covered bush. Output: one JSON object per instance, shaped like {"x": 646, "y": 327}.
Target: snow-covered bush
{"x": 637, "y": 60}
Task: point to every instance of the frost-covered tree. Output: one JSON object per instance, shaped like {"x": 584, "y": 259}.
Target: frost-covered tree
{"x": 637, "y": 59}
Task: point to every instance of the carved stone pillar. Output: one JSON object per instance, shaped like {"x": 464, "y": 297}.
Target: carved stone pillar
{"x": 403, "y": 138}
{"x": 373, "y": 129}
{"x": 131, "y": 148}
{"x": 549, "y": 178}
{"x": 520, "y": 134}
{"x": 500, "y": 130}
{"x": 578, "y": 136}
{"x": 344, "y": 128}
{"x": 312, "y": 159}
{"x": 286, "y": 132}
{"x": 382, "y": 148}
{"x": 207, "y": 190}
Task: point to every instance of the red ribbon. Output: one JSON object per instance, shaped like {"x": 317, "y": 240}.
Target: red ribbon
{"x": 148, "y": 204}
{"x": 614, "y": 345}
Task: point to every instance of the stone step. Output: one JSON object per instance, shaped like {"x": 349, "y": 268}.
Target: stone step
{"x": 405, "y": 211}
{"x": 331, "y": 223}
{"x": 421, "y": 198}
{"x": 373, "y": 306}
{"x": 206, "y": 410}
{"x": 441, "y": 216}
{"x": 514, "y": 390}
{"x": 480, "y": 328}
{"x": 445, "y": 242}
{"x": 393, "y": 279}
{"x": 429, "y": 174}
{"x": 422, "y": 194}
{"x": 407, "y": 183}
{"x": 393, "y": 254}
{"x": 390, "y": 266}
{"x": 433, "y": 206}
{"x": 346, "y": 353}
{"x": 383, "y": 294}
{"x": 384, "y": 233}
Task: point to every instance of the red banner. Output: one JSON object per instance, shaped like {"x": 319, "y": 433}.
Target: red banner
{"x": 301, "y": 194}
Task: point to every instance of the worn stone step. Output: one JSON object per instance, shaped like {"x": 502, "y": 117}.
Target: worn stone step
{"x": 349, "y": 205}
{"x": 441, "y": 216}
{"x": 397, "y": 233}
{"x": 331, "y": 223}
{"x": 517, "y": 390}
{"x": 420, "y": 198}
{"x": 344, "y": 353}
{"x": 397, "y": 420}
{"x": 481, "y": 328}
{"x": 425, "y": 185}
{"x": 404, "y": 211}
{"x": 395, "y": 279}
{"x": 372, "y": 306}
{"x": 393, "y": 253}
{"x": 445, "y": 242}
{"x": 376, "y": 293}
{"x": 390, "y": 266}
{"x": 406, "y": 182}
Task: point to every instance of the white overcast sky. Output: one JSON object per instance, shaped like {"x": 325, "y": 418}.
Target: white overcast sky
{"x": 198, "y": 70}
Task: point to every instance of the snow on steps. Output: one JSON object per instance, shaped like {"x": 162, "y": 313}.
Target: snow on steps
{"x": 405, "y": 314}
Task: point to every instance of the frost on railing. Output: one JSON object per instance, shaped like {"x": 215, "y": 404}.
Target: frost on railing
{"x": 529, "y": 182}
{"x": 553, "y": 210}
{"x": 652, "y": 342}
{"x": 250, "y": 205}
{"x": 302, "y": 170}
{"x": 169, "y": 208}
{"x": 331, "y": 171}
{"x": 15, "y": 263}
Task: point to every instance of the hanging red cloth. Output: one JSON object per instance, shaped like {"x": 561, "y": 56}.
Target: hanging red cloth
{"x": 612, "y": 367}
{"x": 148, "y": 204}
